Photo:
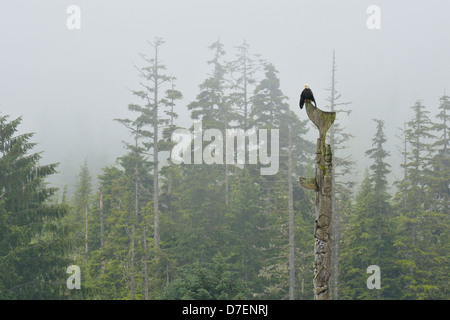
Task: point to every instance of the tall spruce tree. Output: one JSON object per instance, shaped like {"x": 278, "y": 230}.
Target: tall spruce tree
{"x": 269, "y": 106}
{"x": 171, "y": 173}
{"x": 172, "y": 95}
{"x": 242, "y": 73}
{"x": 440, "y": 162}
{"x": 118, "y": 207}
{"x": 439, "y": 196}
{"x": 417, "y": 259}
{"x": 153, "y": 98}
{"x": 203, "y": 189}
{"x": 136, "y": 164}
{"x": 33, "y": 246}
{"x": 370, "y": 236}
{"x": 147, "y": 129}
{"x": 270, "y": 110}
{"x": 82, "y": 203}
{"x": 213, "y": 106}
{"x": 382, "y": 213}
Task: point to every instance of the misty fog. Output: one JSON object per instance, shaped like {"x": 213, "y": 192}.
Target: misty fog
{"x": 69, "y": 85}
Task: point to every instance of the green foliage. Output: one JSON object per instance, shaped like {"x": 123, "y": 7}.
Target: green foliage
{"x": 206, "y": 281}
{"x": 369, "y": 238}
{"x": 269, "y": 106}
{"x": 212, "y": 103}
{"x": 33, "y": 244}
{"x": 223, "y": 230}
{"x": 242, "y": 73}
{"x": 419, "y": 256}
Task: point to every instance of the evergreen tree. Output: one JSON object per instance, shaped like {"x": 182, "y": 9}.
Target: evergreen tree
{"x": 439, "y": 197}
{"x": 171, "y": 173}
{"x": 82, "y": 203}
{"x": 136, "y": 167}
{"x": 370, "y": 237}
{"x": 85, "y": 227}
{"x": 33, "y": 245}
{"x": 113, "y": 281}
{"x": 247, "y": 227}
{"x": 150, "y": 115}
{"x": 442, "y": 127}
{"x": 440, "y": 162}
{"x": 154, "y": 77}
{"x": 271, "y": 111}
{"x": 212, "y": 105}
{"x": 242, "y": 73}
{"x": 206, "y": 281}
{"x": 416, "y": 259}
{"x": 203, "y": 189}
{"x": 269, "y": 106}
{"x": 167, "y": 144}
{"x": 355, "y": 255}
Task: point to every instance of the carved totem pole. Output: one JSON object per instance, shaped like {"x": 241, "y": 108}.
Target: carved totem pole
{"x": 323, "y": 185}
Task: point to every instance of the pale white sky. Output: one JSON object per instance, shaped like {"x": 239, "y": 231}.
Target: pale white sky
{"x": 69, "y": 84}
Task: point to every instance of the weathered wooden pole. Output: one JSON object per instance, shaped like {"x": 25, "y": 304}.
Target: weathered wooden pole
{"x": 322, "y": 183}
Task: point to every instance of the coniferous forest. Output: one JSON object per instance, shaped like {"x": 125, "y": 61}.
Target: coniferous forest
{"x": 147, "y": 227}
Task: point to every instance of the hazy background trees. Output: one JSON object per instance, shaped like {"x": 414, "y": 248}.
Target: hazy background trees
{"x": 145, "y": 228}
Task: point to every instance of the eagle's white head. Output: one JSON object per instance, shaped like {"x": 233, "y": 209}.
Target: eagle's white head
{"x": 306, "y": 86}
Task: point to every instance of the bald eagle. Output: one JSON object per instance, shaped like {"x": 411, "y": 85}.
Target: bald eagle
{"x": 306, "y": 95}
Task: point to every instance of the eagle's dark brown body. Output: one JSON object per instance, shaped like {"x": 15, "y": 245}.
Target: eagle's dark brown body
{"x": 306, "y": 95}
